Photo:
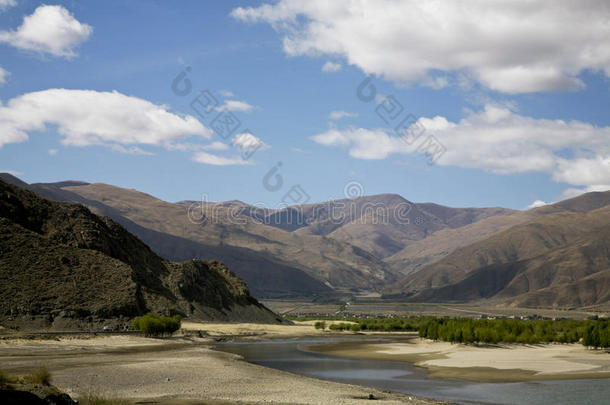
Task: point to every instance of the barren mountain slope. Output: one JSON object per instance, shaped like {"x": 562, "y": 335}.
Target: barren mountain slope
{"x": 60, "y": 260}
{"x": 564, "y": 244}
{"x": 334, "y": 263}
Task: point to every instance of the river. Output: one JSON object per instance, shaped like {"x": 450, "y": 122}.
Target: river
{"x": 403, "y": 377}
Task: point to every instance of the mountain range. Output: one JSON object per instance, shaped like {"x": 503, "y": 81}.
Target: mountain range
{"x": 551, "y": 256}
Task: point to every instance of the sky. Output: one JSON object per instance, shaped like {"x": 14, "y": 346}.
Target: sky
{"x": 461, "y": 103}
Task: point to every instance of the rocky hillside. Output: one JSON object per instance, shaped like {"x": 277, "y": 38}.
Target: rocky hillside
{"x": 63, "y": 266}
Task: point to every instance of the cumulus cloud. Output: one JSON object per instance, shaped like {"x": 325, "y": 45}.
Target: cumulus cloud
{"x": 87, "y": 117}
{"x": 3, "y": 75}
{"x": 215, "y": 160}
{"x": 235, "y": 105}
{"x": 584, "y": 170}
{"x": 53, "y": 152}
{"x": 226, "y": 93}
{"x": 508, "y": 46}
{"x": 337, "y": 115}
{"x": 50, "y": 29}
{"x": 363, "y": 143}
{"x": 246, "y": 142}
{"x": 497, "y": 140}
{"x": 329, "y": 67}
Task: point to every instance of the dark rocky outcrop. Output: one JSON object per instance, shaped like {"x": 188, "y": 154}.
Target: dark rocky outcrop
{"x": 63, "y": 266}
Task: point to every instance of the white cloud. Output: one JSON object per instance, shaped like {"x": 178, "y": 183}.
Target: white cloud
{"x": 536, "y": 204}
{"x": 585, "y": 170}
{"x": 4, "y": 4}
{"x": 193, "y": 147}
{"x": 130, "y": 150}
{"x": 53, "y": 152}
{"x": 508, "y": 46}
{"x": 235, "y": 105}
{"x": 210, "y": 159}
{"x": 337, "y": 115}
{"x": 331, "y": 67}
{"x": 87, "y": 117}
{"x": 3, "y": 75}
{"x": 246, "y": 142}
{"x": 363, "y": 143}
{"x": 496, "y": 140}
{"x": 216, "y": 146}
{"x": 226, "y": 93}
{"x": 50, "y": 29}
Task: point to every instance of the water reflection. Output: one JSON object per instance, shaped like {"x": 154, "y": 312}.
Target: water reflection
{"x": 403, "y": 377}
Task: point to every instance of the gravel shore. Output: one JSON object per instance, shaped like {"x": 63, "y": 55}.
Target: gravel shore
{"x": 176, "y": 371}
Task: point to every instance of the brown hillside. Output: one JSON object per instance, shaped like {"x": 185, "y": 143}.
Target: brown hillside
{"x": 534, "y": 263}
{"x": 61, "y": 263}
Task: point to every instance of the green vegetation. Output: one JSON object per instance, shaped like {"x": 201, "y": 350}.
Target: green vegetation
{"x": 153, "y": 324}
{"x": 320, "y": 325}
{"x": 40, "y": 376}
{"x": 354, "y": 327}
{"x": 91, "y": 398}
{"x": 597, "y": 334}
{"x": 5, "y": 378}
{"x": 591, "y": 333}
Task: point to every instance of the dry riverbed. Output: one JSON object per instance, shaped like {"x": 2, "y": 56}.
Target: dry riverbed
{"x": 492, "y": 363}
{"x": 180, "y": 370}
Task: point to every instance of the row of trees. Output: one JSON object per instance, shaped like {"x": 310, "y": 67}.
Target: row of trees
{"x": 592, "y": 333}
{"x": 153, "y": 324}
{"x": 597, "y": 334}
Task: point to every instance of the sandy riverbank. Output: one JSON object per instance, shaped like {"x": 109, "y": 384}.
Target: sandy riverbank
{"x": 175, "y": 371}
{"x": 258, "y": 330}
{"x": 488, "y": 364}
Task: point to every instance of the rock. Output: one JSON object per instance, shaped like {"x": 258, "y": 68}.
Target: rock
{"x": 60, "y": 399}
{"x": 14, "y": 397}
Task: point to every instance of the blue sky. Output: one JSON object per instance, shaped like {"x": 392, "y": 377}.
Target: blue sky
{"x": 520, "y": 119}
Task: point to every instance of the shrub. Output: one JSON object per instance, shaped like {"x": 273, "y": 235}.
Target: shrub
{"x": 320, "y": 325}
{"x": 91, "y": 398}
{"x": 152, "y": 324}
{"x": 5, "y": 378}
{"x": 41, "y": 376}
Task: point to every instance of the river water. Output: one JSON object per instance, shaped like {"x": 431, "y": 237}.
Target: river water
{"x": 403, "y": 377}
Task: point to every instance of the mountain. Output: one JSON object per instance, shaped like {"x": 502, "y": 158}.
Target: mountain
{"x": 559, "y": 257}
{"x": 272, "y": 261}
{"x": 309, "y": 250}
{"x": 305, "y": 250}
{"x": 380, "y": 224}
{"x": 549, "y": 256}
{"x": 60, "y": 265}
{"x": 265, "y": 276}
{"x": 441, "y": 243}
